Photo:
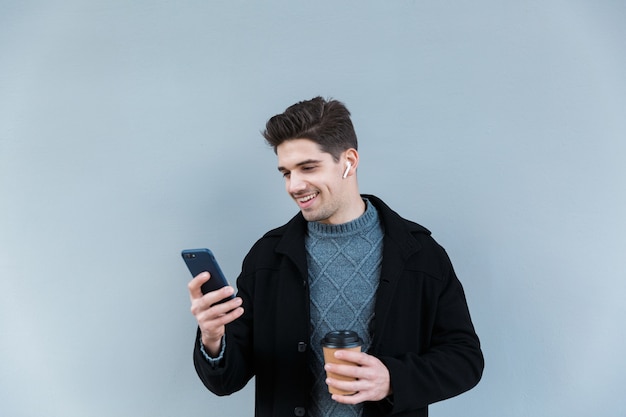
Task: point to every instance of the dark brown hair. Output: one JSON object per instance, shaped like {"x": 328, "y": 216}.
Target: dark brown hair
{"x": 326, "y": 122}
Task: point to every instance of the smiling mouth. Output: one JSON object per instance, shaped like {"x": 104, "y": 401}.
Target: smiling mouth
{"x": 307, "y": 198}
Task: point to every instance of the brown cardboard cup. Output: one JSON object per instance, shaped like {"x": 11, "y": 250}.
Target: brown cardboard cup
{"x": 340, "y": 340}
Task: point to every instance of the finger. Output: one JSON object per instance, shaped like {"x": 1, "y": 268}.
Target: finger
{"x": 210, "y": 313}
{"x": 363, "y": 391}
{"x": 359, "y": 358}
{"x": 218, "y": 308}
{"x": 214, "y": 323}
{"x": 348, "y": 386}
{"x": 357, "y": 398}
{"x": 232, "y": 315}
{"x": 350, "y": 371}
{"x": 340, "y": 384}
{"x": 195, "y": 285}
{"x": 208, "y": 307}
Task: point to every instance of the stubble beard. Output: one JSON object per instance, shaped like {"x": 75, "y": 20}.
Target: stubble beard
{"x": 321, "y": 214}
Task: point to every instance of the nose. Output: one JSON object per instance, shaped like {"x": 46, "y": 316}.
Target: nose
{"x": 295, "y": 184}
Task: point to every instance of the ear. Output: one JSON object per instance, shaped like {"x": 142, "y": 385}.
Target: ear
{"x": 350, "y": 156}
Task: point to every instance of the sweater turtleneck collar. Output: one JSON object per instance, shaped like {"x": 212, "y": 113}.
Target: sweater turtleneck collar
{"x": 366, "y": 220}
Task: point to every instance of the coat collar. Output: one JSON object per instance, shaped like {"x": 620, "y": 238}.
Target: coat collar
{"x": 291, "y": 243}
{"x": 398, "y": 234}
{"x": 398, "y": 231}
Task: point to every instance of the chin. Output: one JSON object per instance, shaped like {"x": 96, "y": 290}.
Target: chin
{"x": 313, "y": 217}
{"x": 309, "y": 217}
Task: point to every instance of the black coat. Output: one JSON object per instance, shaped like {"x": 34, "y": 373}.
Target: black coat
{"x": 422, "y": 329}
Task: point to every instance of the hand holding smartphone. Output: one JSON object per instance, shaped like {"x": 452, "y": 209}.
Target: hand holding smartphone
{"x": 201, "y": 260}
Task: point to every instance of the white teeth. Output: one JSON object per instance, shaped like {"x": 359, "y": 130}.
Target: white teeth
{"x": 307, "y": 198}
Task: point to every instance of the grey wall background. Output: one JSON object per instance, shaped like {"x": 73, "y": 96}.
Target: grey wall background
{"x": 130, "y": 130}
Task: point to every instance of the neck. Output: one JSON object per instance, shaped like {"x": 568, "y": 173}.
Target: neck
{"x": 357, "y": 225}
{"x": 354, "y": 208}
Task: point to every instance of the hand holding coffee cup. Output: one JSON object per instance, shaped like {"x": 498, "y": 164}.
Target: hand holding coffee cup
{"x": 340, "y": 340}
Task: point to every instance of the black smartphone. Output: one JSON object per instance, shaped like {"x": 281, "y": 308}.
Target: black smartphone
{"x": 201, "y": 260}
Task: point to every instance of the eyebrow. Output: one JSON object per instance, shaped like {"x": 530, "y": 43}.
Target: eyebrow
{"x": 305, "y": 162}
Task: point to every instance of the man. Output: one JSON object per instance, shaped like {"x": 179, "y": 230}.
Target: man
{"x": 346, "y": 261}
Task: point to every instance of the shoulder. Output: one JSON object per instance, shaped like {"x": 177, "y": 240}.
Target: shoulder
{"x": 395, "y": 223}
{"x": 294, "y": 229}
{"x": 413, "y": 241}
{"x": 279, "y": 239}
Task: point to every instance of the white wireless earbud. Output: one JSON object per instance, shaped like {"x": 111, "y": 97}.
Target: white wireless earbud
{"x": 348, "y": 166}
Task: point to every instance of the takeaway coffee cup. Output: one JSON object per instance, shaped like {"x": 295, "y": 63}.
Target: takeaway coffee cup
{"x": 340, "y": 340}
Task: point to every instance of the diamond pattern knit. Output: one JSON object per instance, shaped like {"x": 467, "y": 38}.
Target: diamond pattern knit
{"x": 344, "y": 269}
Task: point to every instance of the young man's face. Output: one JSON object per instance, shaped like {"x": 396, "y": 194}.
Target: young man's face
{"x": 314, "y": 180}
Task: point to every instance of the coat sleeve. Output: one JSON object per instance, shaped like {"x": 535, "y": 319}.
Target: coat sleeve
{"x": 440, "y": 355}
{"x": 236, "y": 368}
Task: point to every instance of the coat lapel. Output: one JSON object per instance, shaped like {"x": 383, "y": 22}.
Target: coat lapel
{"x": 398, "y": 246}
{"x": 292, "y": 243}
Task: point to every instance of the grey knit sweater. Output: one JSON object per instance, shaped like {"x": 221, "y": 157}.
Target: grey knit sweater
{"x": 344, "y": 269}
